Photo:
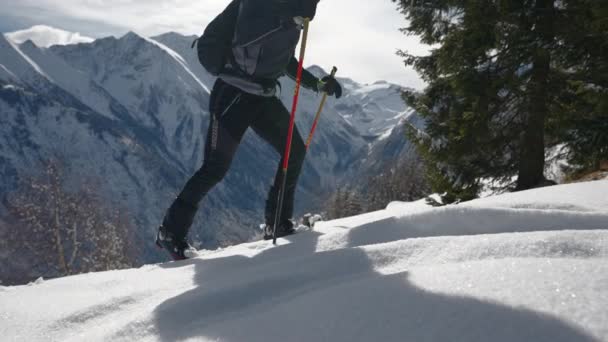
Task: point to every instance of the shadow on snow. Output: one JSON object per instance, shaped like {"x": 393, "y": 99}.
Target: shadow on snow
{"x": 264, "y": 298}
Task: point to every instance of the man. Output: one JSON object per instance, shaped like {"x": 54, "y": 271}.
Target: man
{"x": 265, "y": 37}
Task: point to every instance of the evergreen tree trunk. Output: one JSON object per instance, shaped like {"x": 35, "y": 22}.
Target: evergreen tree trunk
{"x": 532, "y": 157}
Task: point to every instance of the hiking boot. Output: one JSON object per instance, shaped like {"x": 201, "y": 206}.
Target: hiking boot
{"x": 284, "y": 229}
{"x": 179, "y": 249}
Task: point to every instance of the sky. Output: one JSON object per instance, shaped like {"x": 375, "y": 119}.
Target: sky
{"x": 360, "y": 37}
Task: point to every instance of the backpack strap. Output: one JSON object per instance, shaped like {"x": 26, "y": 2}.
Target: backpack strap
{"x": 194, "y": 42}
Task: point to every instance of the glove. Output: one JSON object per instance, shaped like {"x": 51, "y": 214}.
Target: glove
{"x": 329, "y": 85}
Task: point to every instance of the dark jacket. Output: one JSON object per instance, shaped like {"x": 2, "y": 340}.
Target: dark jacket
{"x": 263, "y": 49}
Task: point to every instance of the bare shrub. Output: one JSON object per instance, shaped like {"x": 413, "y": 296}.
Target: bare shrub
{"x": 54, "y": 232}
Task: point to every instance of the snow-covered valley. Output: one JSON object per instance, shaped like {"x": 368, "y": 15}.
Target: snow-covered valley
{"x": 527, "y": 266}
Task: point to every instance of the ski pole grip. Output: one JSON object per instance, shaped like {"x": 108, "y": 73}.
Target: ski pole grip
{"x": 334, "y": 70}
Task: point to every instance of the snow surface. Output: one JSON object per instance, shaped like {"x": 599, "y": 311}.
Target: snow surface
{"x": 180, "y": 60}
{"x": 19, "y": 62}
{"x": 528, "y": 266}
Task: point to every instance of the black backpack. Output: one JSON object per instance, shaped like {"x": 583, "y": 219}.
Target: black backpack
{"x": 214, "y": 46}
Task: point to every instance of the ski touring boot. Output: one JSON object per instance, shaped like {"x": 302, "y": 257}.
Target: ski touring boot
{"x": 285, "y": 228}
{"x": 179, "y": 249}
{"x": 309, "y": 220}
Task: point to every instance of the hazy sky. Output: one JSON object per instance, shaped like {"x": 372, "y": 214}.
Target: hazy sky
{"x": 360, "y": 37}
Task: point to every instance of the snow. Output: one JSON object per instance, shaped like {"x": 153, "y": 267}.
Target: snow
{"x": 45, "y": 36}
{"x": 180, "y": 60}
{"x": 528, "y": 266}
{"x": 7, "y": 74}
{"x": 10, "y": 53}
{"x": 385, "y": 135}
{"x": 74, "y": 81}
{"x": 373, "y": 87}
{"x": 372, "y": 109}
{"x": 556, "y": 163}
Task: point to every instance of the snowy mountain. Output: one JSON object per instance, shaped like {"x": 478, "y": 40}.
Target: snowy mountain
{"x": 45, "y": 36}
{"x": 131, "y": 112}
{"x": 527, "y": 266}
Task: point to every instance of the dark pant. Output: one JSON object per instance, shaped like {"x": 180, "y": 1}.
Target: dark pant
{"x": 232, "y": 112}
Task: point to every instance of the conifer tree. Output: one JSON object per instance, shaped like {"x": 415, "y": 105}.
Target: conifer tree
{"x": 584, "y": 56}
{"x": 499, "y": 76}
{"x": 352, "y": 204}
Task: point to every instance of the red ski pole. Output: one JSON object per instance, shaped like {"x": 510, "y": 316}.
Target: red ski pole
{"x": 314, "y": 124}
{"x": 279, "y": 207}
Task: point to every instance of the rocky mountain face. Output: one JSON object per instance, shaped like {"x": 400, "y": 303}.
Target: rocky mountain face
{"x": 132, "y": 114}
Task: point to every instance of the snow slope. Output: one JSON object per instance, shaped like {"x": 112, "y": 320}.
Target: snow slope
{"x": 529, "y": 266}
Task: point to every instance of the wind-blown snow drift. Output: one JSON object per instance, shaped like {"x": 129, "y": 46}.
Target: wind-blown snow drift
{"x": 45, "y": 36}
{"x": 529, "y": 266}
